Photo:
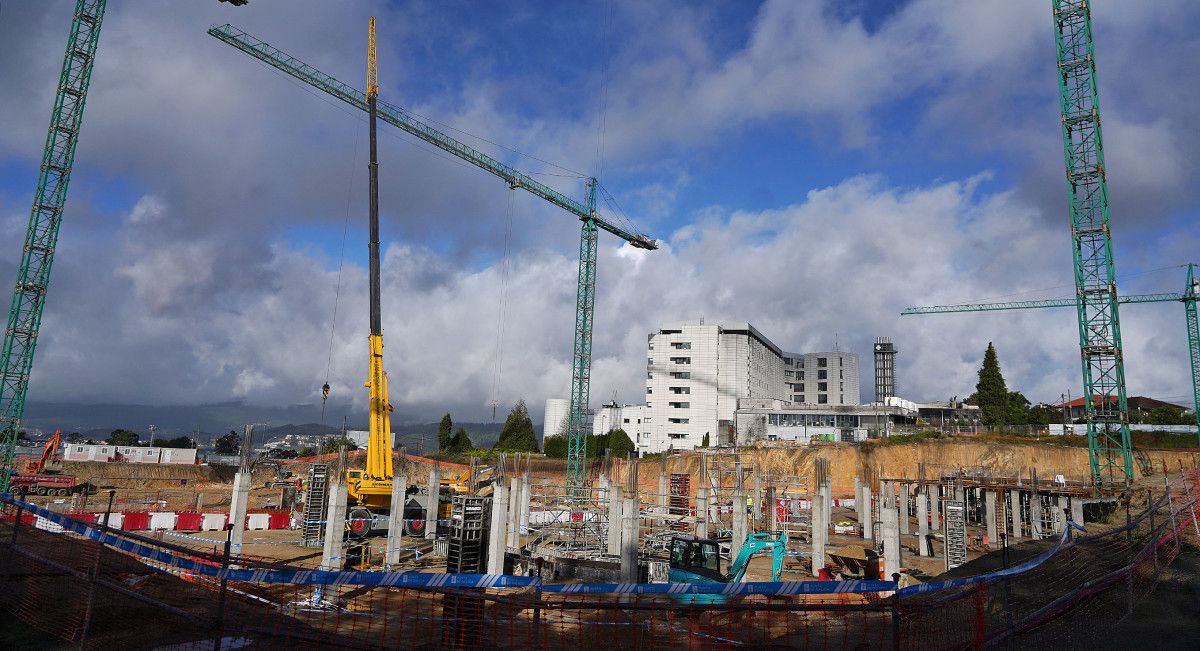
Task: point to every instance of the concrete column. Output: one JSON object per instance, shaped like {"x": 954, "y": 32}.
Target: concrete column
{"x": 395, "y": 532}
{"x": 335, "y": 528}
{"x": 828, "y": 502}
{"x": 905, "y": 500}
{"x": 664, "y": 492}
{"x": 770, "y": 510}
{"x": 858, "y": 497}
{"x": 889, "y": 519}
{"x": 629, "y": 538}
{"x": 756, "y": 506}
{"x": 603, "y": 483}
{"x": 1035, "y": 515}
{"x": 923, "y": 548}
{"x": 526, "y": 491}
{"x": 990, "y": 499}
{"x": 614, "y": 521}
{"x": 1060, "y": 514}
{"x": 739, "y": 523}
{"x": 199, "y": 501}
{"x": 514, "y": 512}
{"x": 1077, "y": 510}
{"x": 820, "y": 531}
{"x": 935, "y": 508}
{"x": 498, "y": 529}
{"x": 431, "y": 505}
{"x": 702, "y": 512}
{"x": 1014, "y": 509}
{"x": 237, "y": 509}
{"x": 865, "y": 517}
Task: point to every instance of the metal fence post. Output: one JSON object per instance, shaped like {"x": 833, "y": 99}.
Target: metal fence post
{"x": 12, "y": 543}
{"x": 94, "y": 575}
{"x": 1129, "y": 558}
{"x": 896, "y": 612}
{"x": 219, "y": 623}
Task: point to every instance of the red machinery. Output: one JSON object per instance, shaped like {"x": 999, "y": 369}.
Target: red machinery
{"x": 41, "y": 475}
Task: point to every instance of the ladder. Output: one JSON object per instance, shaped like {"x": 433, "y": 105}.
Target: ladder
{"x": 314, "y": 505}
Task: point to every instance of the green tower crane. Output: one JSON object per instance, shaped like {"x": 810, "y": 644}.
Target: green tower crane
{"x": 1106, "y": 411}
{"x": 1189, "y": 298}
{"x": 33, "y": 276}
{"x": 592, "y": 221}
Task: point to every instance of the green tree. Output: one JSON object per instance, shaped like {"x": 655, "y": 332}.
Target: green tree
{"x": 460, "y": 443}
{"x": 999, "y": 406}
{"x": 231, "y": 443}
{"x": 704, "y": 441}
{"x": 334, "y": 444}
{"x": 74, "y": 437}
{"x": 177, "y": 442}
{"x": 619, "y": 443}
{"x": 1165, "y": 415}
{"x": 518, "y": 434}
{"x": 1044, "y": 416}
{"x": 555, "y": 447}
{"x": 307, "y": 451}
{"x": 122, "y": 437}
{"x": 444, "y": 432}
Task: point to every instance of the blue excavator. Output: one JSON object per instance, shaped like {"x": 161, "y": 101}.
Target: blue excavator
{"x": 698, "y": 560}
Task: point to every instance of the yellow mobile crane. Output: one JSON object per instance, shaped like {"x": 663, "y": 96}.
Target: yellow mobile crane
{"x": 372, "y": 488}
{"x": 369, "y": 491}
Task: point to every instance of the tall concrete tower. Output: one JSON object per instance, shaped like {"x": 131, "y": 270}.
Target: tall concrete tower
{"x": 885, "y": 368}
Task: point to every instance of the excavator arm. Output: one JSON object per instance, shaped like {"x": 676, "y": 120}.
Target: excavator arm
{"x": 755, "y": 543}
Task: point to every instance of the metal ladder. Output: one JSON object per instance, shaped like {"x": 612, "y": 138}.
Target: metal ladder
{"x": 314, "y": 505}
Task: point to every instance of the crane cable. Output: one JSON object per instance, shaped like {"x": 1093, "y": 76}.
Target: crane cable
{"x": 498, "y": 367}
{"x": 337, "y": 292}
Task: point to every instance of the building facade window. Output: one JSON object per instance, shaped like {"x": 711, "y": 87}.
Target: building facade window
{"x": 822, "y": 399}
{"x": 822, "y": 375}
{"x": 822, "y": 386}
{"x": 677, "y": 435}
{"x": 682, "y": 345}
{"x": 822, "y": 362}
{"x": 797, "y": 398}
{"x": 679, "y": 405}
{"x": 681, "y": 375}
{"x": 681, "y": 360}
{"x": 681, "y": 390}
{"x": 679, "y": 421}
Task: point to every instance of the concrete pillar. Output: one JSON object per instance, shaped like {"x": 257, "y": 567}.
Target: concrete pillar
{"x": 431, "y": 505}
{"x": 395, "y": 531}
{"x": 614, "y": 520}
{"x": 199, "y": 501}
{"x": 526, "y": 492}
{"x": 630, "y": 519}
{"x": 335, "y": 528}
{"x": 889, "y": 518}
{"x": 820, "y": 531}
{"x": 514, "y": 513}
{"x": 858, "y": 497}
{"x": 935, "y": 508}
{"x": 923, "y": 547}
{"x": 865, "y": 517}
{"x": 1060, "y": 514}
{"x": 740, "y": 528}
{"x": 664, "y": 492}
{"x": 702, "y": 512}
{"x": 990, "y": 499}
{"x": 1077, "y": 510}
{"x": 237, "y": 509}
{"x": 1014, "y": 509}
{"x": 769, "y": 509}
{"x": 757, "y": 505}
{"x": 1035, "y": 515}
{"x": 603, "y": 483}
{"x": 905, "y": 500}
{"x": 498, "y": 529}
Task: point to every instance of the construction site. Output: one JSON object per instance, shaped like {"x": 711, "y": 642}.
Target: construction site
{"x": 949, "y": 542}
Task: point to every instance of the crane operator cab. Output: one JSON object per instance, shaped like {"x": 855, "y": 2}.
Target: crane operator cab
{"x": 695, "y": 560}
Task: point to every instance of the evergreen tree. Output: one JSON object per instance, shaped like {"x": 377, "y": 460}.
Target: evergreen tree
{"x": 991, "y": 393}
{"x": 556, "y": 447}
{"x": 460, "y": 443}
{"x": 444, "y": 432}
{"x": 619, "y": 443}
{"x": 518, "y": 434}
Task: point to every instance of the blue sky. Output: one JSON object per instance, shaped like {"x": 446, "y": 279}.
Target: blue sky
{"x": 811, "y": 167}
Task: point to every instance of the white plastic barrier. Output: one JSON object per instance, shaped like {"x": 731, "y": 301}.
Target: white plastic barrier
{"x": 115, "y": 520}
{"x": 46, "y": 525}
{"x": 162, "y": 521}
{"x": 213, "y": 522}
{"x": 258, "y": 521}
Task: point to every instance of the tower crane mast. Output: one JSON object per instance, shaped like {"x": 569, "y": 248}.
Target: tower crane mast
{"x": 41, "y": 237}
{"x": 592, "y": 221}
